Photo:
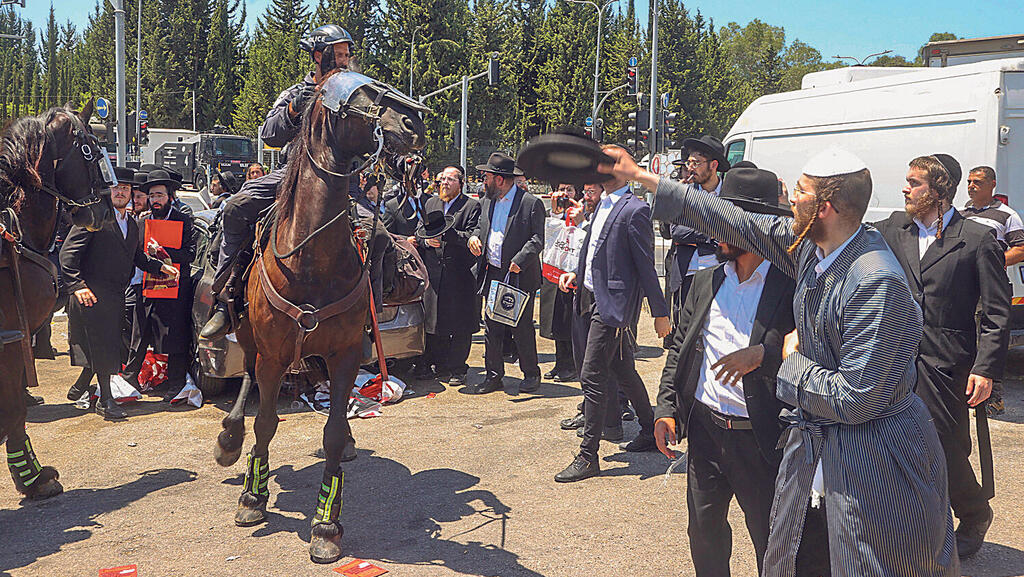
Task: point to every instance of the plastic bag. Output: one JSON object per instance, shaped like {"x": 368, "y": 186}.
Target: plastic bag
{"x": 563, "y": 243}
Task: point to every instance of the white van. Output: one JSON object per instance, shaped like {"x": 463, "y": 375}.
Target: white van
{"x": 888, "y": 116}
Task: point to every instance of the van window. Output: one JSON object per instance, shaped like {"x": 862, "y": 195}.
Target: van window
{"x": 734, "y": 151}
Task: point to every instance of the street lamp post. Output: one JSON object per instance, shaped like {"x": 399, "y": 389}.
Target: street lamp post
{"x": 412, "y": 55}
{"x": 597, "y": 58}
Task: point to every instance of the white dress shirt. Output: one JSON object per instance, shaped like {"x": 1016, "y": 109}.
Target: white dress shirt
{"x": 604, "y": 208}
{"x": 122, "y": 221}
{"x": 727, "y": 330}
{"x": 698, "y": 262}
{"x": 499, "y": 222}
{"x": 926, "y": 234}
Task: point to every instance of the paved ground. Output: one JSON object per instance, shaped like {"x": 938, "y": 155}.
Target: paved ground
{"x": 450, "y": 485}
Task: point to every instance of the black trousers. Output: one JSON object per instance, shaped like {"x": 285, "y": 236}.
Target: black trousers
{"x": 524, "y": 334}
{"x": 132, "y": 300}
{"x": 609, "y": 353}
{"x": 563, "y": 356}
{"x": 721, "y": 464}
{"x": 449, "y": 352}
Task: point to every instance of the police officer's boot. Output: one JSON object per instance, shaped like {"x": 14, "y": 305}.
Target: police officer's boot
{"x": 8, "y": 337}
{"x": 219, "y": 323}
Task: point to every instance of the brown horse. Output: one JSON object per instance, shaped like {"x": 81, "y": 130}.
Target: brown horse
{"x": 45, "y": 161}
{"x": 308, "y": 292}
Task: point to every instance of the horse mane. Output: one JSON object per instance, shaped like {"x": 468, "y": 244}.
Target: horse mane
{"x": 21, "y": 150}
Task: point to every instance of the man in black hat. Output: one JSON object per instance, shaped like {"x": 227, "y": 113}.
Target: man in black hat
{"x": 97, "y": 267}
{"x": 330, "y": 48}
{"x": 718, "y": 386}
{"x": 966, "y": 330}
{"x": 174, "y": 175}
{"x": 451, "y": 303}
{"x": 507, "y": 241}
{"x": 164, "y": 323}
{"x": 692, "y": 251}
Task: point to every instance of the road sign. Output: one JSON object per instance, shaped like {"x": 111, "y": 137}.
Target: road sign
{"x": 589, "y": 121}
{"x": 143, "y": 115}
{"x": 664, "y": 99}
{"x": 656, "y": 164}
{"x": 632, "y": 60}
{"x": 102, "y": 108}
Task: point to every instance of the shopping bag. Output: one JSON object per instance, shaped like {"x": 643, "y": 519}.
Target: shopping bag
{"x": 189, "y": 394}
{"x": 153, "y": 371}
{"x": 505, "y": 303}
{"x": 563, "y": 243}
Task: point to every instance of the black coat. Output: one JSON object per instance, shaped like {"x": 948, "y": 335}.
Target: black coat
{"x": 170, "y": 319}
{"x": 451, "y": 304}
{"x": 103, "y": 261}
{"x": 772, "y": 322}
{"x": 400, "y": 215}
{"x": 524, "y": 241}
{"x": 685, "y": 241}
{"x": 960, "y": 274}
{"x": 555, "y": 312}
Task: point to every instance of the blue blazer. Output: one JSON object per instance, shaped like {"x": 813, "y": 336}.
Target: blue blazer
{"x": 624, "y": 264}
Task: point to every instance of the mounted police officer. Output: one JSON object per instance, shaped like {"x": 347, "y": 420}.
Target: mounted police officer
{"x": 330, "y": 47}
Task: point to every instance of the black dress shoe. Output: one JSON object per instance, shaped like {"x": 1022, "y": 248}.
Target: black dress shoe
{"x": 110, "y": 411}
{"x": 572, "y": 422}
{"x": 529, "y": 385}
{"x": 643, "y": 443}
{"x": 488, "y": 386}
{"x": 457, "y": 380}
{"x": 610, "y": 434}
{"x": 32, "y": 400}
{"x": 550, "y": 374}
{"x": 566, "y": 377}
{"x": 76, "y": 392}
{"x": 970, "y": 535}
{"x": 579, "y": 469}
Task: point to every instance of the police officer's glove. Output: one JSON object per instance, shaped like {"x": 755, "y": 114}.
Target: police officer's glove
{"x": 298, "y": 105}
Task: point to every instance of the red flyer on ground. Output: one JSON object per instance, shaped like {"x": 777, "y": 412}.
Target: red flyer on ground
{"x": 360, "y": 568}
{"x": 160, "y": 235}
{"x": 126, "y": 571}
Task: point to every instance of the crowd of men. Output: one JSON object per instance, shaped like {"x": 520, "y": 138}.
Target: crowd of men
{"x": 821, "y": 369}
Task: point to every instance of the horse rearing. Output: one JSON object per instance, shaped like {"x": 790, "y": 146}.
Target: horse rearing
{"x": 308, "y": 291}
{"x": 46, "y": 162}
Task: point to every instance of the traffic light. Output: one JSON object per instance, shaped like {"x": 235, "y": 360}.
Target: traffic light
{"x": 631, "y": 81}
{"x": 598, "y": 131}
{"x": 588, "y": 131}
{"x": 129, "y": 130}
{"x": 493, "y": 75}
{"x": 668, "y": 129}
{"x": 144, "y": 133}
{"x": 639, "y": 128}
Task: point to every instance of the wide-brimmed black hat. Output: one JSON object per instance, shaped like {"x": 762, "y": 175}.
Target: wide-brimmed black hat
{"x": 160, "y": 176}
{"x": 124, "y": 175}
{"x": 435, "y": 221}
{"x": 173, "y": 173}
{"x": 753, "y": 190}
{"x": 501, "y": 164}
{"x": 140, "y": 179}
{"x": 710, "y": 146}
{"x": 564, "y": 158}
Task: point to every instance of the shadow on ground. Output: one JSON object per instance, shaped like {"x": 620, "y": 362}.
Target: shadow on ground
{"x": 394, "y": 516}
{"x": 38, "y": 529}
{"x": 994, "y": 560}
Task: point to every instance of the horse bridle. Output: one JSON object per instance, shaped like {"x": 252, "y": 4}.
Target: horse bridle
{"x": 101, "y": 176}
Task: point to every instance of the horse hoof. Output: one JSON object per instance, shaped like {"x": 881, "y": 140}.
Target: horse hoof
{"x": 226, "y": 458}
{"x": 349, "y": 452}
{"x": 325, "y": 542}
{"x": 229, "y": 446}
{"x": 51, "y": 488}
{"x": 251, "y": 510}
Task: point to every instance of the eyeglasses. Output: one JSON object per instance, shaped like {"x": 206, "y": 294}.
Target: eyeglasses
{"x": 694, "y": 163}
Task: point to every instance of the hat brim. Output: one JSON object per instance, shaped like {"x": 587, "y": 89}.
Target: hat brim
{"x": 693, "y": 143}
{"x": 564, "y": 158}
{"x": 488, "y": 168}
{"x": 168, "y": 182}
{"x": 758, "y": 207}
{"x": 421, "y": 231}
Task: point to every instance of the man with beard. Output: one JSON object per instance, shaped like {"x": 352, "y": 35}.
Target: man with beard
{"x": 718, "y": 386}
{"x": 452, "y": 305}
{"x": 690, "y": 250}
{"x": 164, "y": 323}
{"x": 862, "y": 462}
{"x": 330, "y": 48}
{"x": 955, "y": 270}
{"x": 507, "y": 242}
{"x": 97, "y": 267}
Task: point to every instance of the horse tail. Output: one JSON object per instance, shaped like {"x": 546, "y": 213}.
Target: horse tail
{"x": 229, "y": 441}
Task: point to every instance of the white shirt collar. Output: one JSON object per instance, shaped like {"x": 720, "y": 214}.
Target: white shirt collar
{"x": 932, "y": 228}
{"x": 760, "y": 273}
{"x": 826, "y": 261}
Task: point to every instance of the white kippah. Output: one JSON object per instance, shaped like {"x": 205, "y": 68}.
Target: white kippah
{"x": 833, "y": 161}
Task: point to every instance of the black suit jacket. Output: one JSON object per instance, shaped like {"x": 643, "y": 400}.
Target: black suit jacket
{"x": 524, "y": 240}
{"x": 960, "y": 274}
{"x": 451, "y": 301}
{"x": 772, "y": 322}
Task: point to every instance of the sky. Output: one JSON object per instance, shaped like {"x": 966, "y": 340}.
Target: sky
{"x": 852, "y": 28}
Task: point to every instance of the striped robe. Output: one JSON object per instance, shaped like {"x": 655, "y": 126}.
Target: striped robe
{"x": 851, "y": 383}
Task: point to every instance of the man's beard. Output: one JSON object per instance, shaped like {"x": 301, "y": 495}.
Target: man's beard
{"x": 161, "y": 210}
{"x": 491, "y": 190}
{"x": 801, "y": 219}
{"x": 115, "y": 201}
{"x": 729, "y": 255}
{"x": 917, "y": 209}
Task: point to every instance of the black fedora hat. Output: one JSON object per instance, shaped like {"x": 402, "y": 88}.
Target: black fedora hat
{"x": 124, "y": 174}
{"x": 435, "y": 221}
{"x": 173, "y": 173}
{"x": 501, "y": 164}
{"x": 140, "y": 179}
{"x": 710, "y": 146}
{"x": 160, "y": 176}
{"x": 753, "y": 190}
{"x": 564, "y": 158}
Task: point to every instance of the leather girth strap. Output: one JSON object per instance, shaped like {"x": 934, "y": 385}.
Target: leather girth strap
{"x": 306, "y": 317}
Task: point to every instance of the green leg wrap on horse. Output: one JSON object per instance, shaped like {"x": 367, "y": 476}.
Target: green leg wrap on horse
{"x": 257, "y": 475}
{"x": 328, "y": 506}
{"x": 24, "y": 466}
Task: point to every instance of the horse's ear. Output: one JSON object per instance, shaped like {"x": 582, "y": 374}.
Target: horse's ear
{"x": 86, "y": 112}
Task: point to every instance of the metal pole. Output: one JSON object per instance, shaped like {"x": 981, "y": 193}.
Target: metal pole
{"x": 193, "y": 110}
{"x": 122, "y": 145}
{"x": 138, "y": 85}
{"x": 653, "y": 135}
{"x": 597, "y": 60}
{"x": 462, "y": 124}
{"x": 412, "y": 45}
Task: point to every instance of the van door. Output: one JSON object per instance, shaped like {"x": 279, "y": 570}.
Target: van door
{"x": 1010, "y": 179}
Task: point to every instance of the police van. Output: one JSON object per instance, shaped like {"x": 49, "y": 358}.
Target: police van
{"x": 888, "y": 116}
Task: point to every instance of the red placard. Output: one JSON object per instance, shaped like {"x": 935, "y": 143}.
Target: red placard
{"x": 360, "y": 568}
{"x": 167, "y": 234}
{"x": 126, "y": 571}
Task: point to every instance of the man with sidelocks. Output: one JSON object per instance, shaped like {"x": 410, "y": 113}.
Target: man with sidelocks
{"x": 862, "y": 462}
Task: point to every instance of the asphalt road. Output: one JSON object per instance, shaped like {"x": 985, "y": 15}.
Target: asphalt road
{"x": 449, "y": 485}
